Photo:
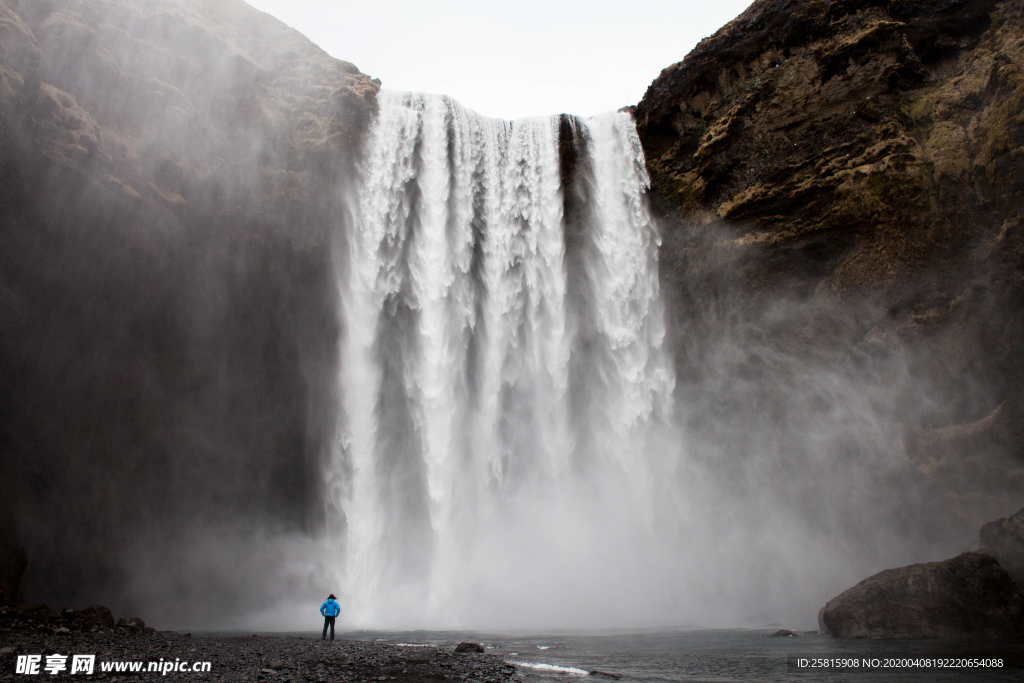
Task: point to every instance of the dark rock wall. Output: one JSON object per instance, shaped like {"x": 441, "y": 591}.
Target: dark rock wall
{"x": 172, "y": 175}
{"x": 840, "y": 186}
{"x": 1004, "y": 540}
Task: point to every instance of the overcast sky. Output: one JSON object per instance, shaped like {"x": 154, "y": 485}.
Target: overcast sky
{"x": 515, "y": 58}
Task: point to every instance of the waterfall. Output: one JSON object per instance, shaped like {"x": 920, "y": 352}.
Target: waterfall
{"x": 504, "y": 384}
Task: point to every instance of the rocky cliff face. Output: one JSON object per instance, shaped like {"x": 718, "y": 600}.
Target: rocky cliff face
{"x": 1004, "y": 540}
{"x": 171, "y": 172}
{"x": 841, "y": 187}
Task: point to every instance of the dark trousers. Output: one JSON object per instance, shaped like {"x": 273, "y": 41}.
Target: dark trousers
{"x": 328, "y": 621}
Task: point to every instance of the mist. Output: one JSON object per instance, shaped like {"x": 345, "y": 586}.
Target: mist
{"x": 168, "y": 289}
{"x": 268, "y": 334}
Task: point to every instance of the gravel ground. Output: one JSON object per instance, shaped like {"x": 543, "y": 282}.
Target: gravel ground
{"x": 37, "y": 630}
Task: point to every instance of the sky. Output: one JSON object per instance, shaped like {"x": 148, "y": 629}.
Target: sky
{"x": 511, "y": 59}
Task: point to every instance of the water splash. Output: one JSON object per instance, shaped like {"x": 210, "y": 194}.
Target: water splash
{"x": 503, "y": 374}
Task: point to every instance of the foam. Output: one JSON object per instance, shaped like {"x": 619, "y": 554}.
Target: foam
{"x": 552, "y": 667}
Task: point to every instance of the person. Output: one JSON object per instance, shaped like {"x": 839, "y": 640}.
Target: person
{"x": 330, "y": 609}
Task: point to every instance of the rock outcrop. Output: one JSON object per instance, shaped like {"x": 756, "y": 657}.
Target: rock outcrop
{"x": 171, "y": 175}
{"x": 98, "y": 615}
{"x": 784, "y": 633}
{"x": 969, "y": 596}
{"x": 468, "y": 647}
{"x": 840, "y": 189}
{"x": 1004, "y": 540}
{"x": 976, "y": 594}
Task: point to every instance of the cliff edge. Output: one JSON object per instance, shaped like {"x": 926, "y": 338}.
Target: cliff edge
{"x": 172, "y": 175}
{"x": 840, "y": 187}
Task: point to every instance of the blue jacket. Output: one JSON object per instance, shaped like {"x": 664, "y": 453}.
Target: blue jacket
{"x": 330, "y": 608}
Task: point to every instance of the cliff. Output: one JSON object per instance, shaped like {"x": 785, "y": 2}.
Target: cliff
{"x": 840, "y": 186}
{"x": 171, "y": 172}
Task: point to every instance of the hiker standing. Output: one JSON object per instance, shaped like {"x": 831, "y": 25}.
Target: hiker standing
{"x": 330, "y": 609}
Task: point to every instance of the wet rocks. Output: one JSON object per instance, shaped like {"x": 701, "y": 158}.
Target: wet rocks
{"x": 242, "y": 658}
{"x": 783, "y": 633}
{"x": 99, "y": 615}
{"x": 134, "y": 624}
{"x": 967, "y": 596}
{"x": 34, "y": 611}
{"x": 468, "y": 647}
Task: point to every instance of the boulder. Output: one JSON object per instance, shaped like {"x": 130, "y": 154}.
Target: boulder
{"x": 967, "y": 596}
{"x": 99, "y": 615}
{"x": 36, "y": 610}
{"x": 783, "y": 633}
{"x": 1003, "y": 539}
{"x": 469, "y": 647}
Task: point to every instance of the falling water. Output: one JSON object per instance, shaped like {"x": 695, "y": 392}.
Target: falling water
{"x": 503, "y": 376}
